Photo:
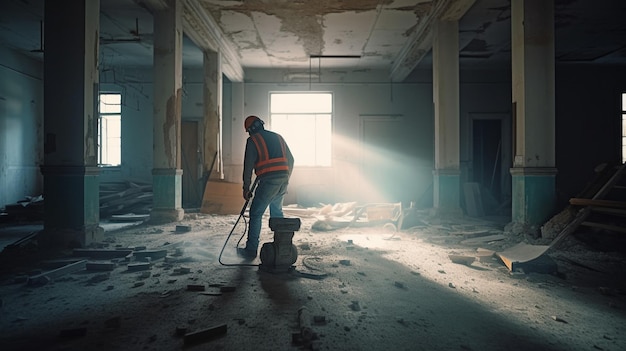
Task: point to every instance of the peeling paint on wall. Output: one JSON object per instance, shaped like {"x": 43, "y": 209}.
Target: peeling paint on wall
{"x": 171, "y": 132}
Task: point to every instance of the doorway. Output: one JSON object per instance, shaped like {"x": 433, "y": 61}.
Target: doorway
{"x": 486, "y": 153}
{"x": 491, "y": 156}
{"x": 192, "y": 192}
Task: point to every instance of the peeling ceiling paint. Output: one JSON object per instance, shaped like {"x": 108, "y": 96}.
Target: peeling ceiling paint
{"x": 286, "y": 33}
{"x": 282, "y": 34}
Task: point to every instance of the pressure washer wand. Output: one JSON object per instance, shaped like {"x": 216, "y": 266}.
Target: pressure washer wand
{"x": 243, "y": 211}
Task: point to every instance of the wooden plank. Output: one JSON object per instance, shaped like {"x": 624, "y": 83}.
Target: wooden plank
{"x": 473, "y": 200}
{"x": 604, "y": 226}
{"x": 205, "y": 335}
{"x": 521, "y": 253}
{"x": 43, "y": 278}
{"x": 584, "y": 213}
{"x": 607, "y": 210}
{"x": 597, "y": 202}
{"x": 572, "y": 225}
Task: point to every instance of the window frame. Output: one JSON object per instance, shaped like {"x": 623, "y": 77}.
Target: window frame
{"x": 104, "y": 119}
{"x": 326, "y": 111}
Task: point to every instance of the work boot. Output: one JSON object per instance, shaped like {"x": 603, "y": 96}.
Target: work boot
{"x": 245, "y": 253}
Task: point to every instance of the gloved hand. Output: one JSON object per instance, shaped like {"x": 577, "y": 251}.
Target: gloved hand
{"x": 247, "y": 194}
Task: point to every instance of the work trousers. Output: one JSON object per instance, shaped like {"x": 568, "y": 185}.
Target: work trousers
{"x": 269, "y": 192}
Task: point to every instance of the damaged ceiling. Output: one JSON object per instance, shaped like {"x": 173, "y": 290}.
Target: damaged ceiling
{"x": 364, "y": 35}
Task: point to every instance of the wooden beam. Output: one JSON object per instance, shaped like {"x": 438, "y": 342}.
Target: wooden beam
{"x": 604, "y": 226}
{"x": 599, "y": 203}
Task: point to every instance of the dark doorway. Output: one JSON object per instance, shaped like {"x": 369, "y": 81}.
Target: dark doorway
{"x": 487, "y": 155}
{"x": 192, "y": 191}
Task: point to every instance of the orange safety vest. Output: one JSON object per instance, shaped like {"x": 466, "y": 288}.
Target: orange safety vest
{"x": 266, "y": 164}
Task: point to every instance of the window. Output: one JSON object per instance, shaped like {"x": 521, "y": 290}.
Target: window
{"x": 623, "y": 127}
{"x": 110, "y": 130}
{"x": 305, "y": 121}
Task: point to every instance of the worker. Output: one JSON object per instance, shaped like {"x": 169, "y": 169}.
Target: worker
{"x": 269, "y": 155}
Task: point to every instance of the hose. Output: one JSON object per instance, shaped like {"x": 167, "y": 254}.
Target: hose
{"x": 241, "y": 215}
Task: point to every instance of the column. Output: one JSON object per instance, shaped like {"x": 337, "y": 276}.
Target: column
{"x": 70, "y": 170}
{"x": 533, "y": 173}
{"x": 446, "y": 176}
{"x": 212, "y": 98}
{"x": 167, "y": 172}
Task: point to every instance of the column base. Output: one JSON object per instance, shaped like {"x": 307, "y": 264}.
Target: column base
{"x": 446, "y": 196}
{"x": 166, "y": 215}
{"x": 167, "y": 200}
{"x": 534, "y": 194}
{"x": 72, "y": 208}
{"x": 70, "y": 238}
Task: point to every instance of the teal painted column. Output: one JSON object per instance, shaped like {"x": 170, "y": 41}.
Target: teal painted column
{"x": 534, "y": 195}
{"x": 532, "y": 58}
{"x": 447, "y": 192}
{"x": 167, "y": 198}
{"x": 168, "y": 66}
{"x": 69, "y": 169}
{"x": 71, "y": 206}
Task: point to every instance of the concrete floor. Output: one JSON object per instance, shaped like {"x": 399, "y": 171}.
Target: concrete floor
{"x": 379, "y": 289}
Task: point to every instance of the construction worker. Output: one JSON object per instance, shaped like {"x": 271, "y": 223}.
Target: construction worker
{"x": 268, "y": 154}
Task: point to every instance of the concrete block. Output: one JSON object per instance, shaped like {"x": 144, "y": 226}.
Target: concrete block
{"x": 195, "y": 287}
{"x": 183, "y": 228}
{"x": 152, "y": 254}
{"x": 102, "y": 254}
{"x": 100, "y": 266}
{"x": 140, "y": 266}
{"x": 205, "y": 335}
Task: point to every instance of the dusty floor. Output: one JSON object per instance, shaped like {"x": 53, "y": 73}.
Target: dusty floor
{"x": 379, "y": 290}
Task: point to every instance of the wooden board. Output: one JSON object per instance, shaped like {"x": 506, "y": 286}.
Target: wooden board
{"x": 222, "y": 197}
{"x": 473, "y": 200}
{"x": 521, "y": 253}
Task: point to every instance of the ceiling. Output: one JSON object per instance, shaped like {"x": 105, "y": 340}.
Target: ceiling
{"x": 389, "y": 35}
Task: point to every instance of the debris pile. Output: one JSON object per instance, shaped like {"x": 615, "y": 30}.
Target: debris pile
{"x": 30, "y": 208}
{"x": 117, "y": 198}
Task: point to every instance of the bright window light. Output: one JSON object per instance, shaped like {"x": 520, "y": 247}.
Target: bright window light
{"x": 110, "y": 130}
{"x": 305, "y": 121}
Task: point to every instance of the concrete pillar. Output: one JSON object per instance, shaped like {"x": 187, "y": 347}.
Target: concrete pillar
{"x": 167, "y": 172}
{"x": 532, "y": 56}
{"x": 446, "y": 176}
{"x": 70, "y": 170}
{"x": 213, "y": 114}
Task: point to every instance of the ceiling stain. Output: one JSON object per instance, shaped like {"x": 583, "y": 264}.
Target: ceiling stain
{"x": 303, "y": 19}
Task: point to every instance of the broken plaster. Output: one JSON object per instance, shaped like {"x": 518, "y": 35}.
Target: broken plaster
{"x": 303, "y": 19}
{"x": 170, "y": 128}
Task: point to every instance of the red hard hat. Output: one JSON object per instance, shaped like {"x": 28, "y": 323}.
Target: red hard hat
{"x": 252, "y": 123}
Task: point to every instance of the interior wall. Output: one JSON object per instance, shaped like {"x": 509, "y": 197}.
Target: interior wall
{"x": 353, "y": 102}
{"x": 588, "y": 123}
{"x": 21, "y": 127}
{"x": 137, "y": 127}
